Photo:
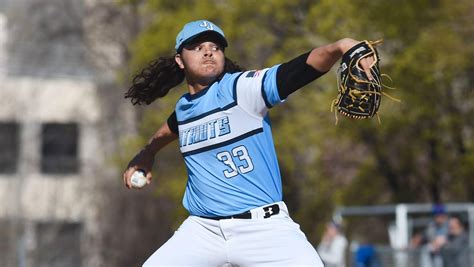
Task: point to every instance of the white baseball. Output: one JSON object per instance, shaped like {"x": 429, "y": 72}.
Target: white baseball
{"x": 138, "y": 179}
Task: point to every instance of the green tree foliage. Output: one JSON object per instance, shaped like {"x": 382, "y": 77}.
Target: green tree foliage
{"x": 421, "y": 152}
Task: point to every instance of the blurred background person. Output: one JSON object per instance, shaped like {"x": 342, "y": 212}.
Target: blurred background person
{"x": 433, "y": 238}
{"x": 455, "y": 252}
{"x": 332, "y": 248}
{"x": 365, "y": 254}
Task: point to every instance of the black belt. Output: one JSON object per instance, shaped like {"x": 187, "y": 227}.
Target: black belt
{"x": 269, "y": 211}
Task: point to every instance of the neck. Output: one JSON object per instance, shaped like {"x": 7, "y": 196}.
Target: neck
{"x": 195, "y": 86}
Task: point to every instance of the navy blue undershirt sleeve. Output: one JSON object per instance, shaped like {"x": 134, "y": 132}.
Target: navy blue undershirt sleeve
{"x": 173, "y": 122}
{"x": 295, "y": 74}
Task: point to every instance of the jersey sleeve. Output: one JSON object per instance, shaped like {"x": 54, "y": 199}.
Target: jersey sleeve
{"x": 173, "y": 122}
{"x": 257, "y": 90}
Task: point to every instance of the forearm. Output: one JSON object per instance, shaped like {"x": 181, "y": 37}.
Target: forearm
{"x": 305, "y": 68}
{"x": 144, "y": 159}
{"x": 160, "y": 139}
{"x": 324, "y": 57}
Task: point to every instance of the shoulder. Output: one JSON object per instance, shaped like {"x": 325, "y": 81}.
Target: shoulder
{"x": 229, "y": 79}
{"x": 257, "y": 78}
{"x": 250, "y": 75}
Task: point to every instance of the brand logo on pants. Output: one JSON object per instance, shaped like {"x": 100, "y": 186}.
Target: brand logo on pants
{"x": 271, "y": 210}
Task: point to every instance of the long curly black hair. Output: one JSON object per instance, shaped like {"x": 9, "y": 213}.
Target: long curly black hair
{"x": 159, "y": 77}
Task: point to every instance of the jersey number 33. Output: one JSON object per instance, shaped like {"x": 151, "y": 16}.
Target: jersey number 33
{"x": 237, "y": 161}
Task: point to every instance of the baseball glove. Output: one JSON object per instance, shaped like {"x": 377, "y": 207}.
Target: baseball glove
{"x": 358, "y": 97}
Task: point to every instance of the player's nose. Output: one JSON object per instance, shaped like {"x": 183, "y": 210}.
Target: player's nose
{"x": 208, "y": 50}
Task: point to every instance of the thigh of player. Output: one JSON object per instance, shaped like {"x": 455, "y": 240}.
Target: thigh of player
{"x": 195, "y": 243}
{"x": 271, "y": 242}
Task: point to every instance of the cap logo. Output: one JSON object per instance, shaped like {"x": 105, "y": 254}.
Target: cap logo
{"x": 207, "y": 25}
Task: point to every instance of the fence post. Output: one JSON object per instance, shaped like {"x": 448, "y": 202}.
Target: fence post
{"x": 401, "y": 221}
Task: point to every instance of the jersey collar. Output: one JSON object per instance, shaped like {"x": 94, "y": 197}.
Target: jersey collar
{"x": 197, "y": 95}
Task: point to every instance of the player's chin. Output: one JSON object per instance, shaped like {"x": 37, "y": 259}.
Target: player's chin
{"x": 212, "y": 68}
{"x": 211, "y": 72}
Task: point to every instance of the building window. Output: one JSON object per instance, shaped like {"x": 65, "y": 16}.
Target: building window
{"x": 9, "y": 147}
{"x": 59, "y": 148}
{"x": 58, "y": 244}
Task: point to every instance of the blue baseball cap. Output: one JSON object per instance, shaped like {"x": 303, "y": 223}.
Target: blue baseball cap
{"x": 195, "y": 28}
{"x": 438, "y": 209}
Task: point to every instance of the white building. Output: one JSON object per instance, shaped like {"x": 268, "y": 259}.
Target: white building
{"x": 56, "y": 123}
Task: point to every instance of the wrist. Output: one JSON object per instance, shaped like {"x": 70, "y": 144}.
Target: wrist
{"x": 345, "y": 44}
{"x": 149, "y": 152}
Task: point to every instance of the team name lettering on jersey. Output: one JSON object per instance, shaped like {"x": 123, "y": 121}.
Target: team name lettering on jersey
{"x": 204, "y": 131}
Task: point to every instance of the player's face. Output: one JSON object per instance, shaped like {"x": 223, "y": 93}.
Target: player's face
{"x": 202, "y": 60}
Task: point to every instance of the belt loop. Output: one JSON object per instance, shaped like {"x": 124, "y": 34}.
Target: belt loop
{"x": 283, "y": 208}
{"x": 255, "y": 214}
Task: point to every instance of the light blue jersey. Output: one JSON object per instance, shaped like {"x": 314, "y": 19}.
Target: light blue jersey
{"x": 226, "y": 141}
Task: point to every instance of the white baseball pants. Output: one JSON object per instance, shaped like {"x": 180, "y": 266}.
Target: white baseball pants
{"x": 273, "y": 241}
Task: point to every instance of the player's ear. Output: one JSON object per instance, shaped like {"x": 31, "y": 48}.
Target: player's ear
{"x": 179, "y": 61}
